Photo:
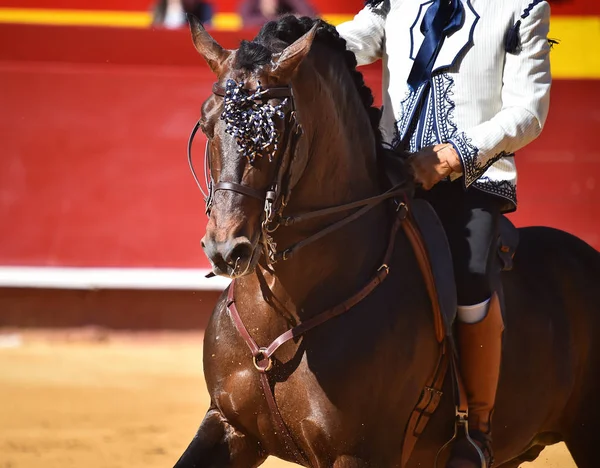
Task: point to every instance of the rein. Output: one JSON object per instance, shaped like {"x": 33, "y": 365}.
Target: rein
{"x": 276, "y": 197}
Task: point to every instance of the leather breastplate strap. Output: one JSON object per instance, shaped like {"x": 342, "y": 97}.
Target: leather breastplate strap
{"x": 262, "y": 357}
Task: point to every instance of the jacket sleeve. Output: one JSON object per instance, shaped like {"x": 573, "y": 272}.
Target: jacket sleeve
{"x": 525, "y": 101}
{"x": 365, "y": 34}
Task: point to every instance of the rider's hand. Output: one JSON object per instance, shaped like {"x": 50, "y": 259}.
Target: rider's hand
{"x": 435, "y": 163}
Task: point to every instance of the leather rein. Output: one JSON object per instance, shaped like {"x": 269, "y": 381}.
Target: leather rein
{"x": 276, "y": 197}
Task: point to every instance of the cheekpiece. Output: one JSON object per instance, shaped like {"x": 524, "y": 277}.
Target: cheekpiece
{"x": 251, "y": 120}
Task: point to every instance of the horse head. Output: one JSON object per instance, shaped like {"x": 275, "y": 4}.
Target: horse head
{"x": 250, "y": 122}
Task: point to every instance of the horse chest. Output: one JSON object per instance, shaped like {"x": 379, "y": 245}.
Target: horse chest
{"x": 228, "y": 367}
{"x": 232, "y": 380}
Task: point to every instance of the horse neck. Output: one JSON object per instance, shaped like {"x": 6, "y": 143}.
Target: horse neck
{"x": 340, "y": 147}
{"x": 338, "y": 136}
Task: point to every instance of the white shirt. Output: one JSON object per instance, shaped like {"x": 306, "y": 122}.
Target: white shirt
{"x": 486, "y": 102}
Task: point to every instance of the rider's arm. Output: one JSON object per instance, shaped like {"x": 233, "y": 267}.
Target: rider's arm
{"x": 365, "y": 34}
{"x": 525, "y": 101}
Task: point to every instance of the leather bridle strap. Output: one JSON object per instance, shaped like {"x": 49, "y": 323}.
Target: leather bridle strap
{"x": 190, "y": 162}
{"x": 262, "y": 357}
{"x": 367, "y": 205}
{"x": 230, "y": 186}
{"x": 261, "y": 195}
{"x": 372, "y": 201}
{"x": 243, "y": 189}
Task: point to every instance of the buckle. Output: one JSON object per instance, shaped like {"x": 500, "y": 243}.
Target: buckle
{"x": 259, "y": 358}
{"x": 271, "y": 194}
{"x": 462, "y": 417}
{"x": 433, "y": 390}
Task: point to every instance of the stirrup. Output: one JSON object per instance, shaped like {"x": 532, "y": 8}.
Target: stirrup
{"x": 462, "y": 423}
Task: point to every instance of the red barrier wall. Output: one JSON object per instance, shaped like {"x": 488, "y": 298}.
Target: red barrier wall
{"x": 93, "y": 171}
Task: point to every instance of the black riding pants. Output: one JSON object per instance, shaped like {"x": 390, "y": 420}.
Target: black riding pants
{"x": 470, "y": 218}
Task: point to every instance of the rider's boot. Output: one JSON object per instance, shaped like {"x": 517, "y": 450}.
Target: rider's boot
{"x": 480, "y": 350}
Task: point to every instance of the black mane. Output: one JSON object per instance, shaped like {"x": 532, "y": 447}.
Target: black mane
{"x": 276, "y": 35}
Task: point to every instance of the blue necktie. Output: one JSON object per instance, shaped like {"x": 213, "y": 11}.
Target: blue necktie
{"x": 441, "y": 19}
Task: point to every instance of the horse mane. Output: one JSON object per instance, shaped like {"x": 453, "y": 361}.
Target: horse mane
{"x": 276, "y": 35}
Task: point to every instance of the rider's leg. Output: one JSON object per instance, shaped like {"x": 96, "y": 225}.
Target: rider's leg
{"x": 471, "y": 222}
{"x": 480, "y": 324}
{"x": 480, "y": 349}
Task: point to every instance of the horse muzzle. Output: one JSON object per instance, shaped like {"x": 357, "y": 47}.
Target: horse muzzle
{"x": 232, "y": 258}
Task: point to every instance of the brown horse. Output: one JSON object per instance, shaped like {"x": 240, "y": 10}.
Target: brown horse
{"x": 346, "y": 388}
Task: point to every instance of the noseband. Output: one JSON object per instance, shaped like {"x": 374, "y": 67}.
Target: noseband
{"x": 276, "y": 197}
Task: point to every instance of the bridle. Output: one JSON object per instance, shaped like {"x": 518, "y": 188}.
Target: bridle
{"x": 276, "y": 197}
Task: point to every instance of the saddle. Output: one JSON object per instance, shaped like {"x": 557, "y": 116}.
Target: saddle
{"x": 428, "y": 238}
{"x": 438, "y": 252}
{"x": 395, "y": 170}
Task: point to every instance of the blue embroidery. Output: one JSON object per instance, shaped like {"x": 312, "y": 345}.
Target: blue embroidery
{"x": 427, "y": 137}
{"x": 529, "y": 8}
{"x": 501, "y": 188}
{"x": 436, "y": 124}
{"x": 413, "y": 145}
{"x": 468, "y": 154}
{"x": 473, "y": 167}
{"x": 408, "y": 107}
{"x": 442, "y": 93}
{"x": 435, "y": 111}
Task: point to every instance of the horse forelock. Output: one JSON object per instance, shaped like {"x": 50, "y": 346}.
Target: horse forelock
{"x": 251, "y": 56}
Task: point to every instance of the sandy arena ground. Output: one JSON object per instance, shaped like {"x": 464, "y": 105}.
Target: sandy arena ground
{"x": 93, "y": 400}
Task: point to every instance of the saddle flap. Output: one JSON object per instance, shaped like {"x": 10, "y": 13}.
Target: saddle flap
{"x": 438, "y": 250}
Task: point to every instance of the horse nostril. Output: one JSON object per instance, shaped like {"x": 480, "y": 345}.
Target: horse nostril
{"x": 241, "y": 252}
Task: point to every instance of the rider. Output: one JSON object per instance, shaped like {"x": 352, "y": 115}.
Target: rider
{"x": 465, "y": 84}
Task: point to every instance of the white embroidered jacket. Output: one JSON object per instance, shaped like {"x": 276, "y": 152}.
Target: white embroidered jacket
{"x": 486, "y": 102}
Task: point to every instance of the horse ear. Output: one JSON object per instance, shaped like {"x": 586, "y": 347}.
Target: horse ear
{"x": 290, "y": 59}
{"x": 206, "y": 46}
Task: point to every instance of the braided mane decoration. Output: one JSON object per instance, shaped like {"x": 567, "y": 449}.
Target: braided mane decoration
{"x": 251, "y": 121}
